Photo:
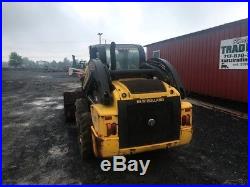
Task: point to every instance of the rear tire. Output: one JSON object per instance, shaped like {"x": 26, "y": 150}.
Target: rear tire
{"x": 84, "y": 122}
{"x": 81, "y": 107}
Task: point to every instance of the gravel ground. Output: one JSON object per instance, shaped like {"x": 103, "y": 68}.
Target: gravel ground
{"x": 39, "y": 147}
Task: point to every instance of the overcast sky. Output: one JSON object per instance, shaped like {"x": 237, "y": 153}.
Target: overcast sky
{"x": 47, "y": 31}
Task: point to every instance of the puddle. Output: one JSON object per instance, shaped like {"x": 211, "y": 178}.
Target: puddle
{"x": 71, "y": 85}
{"x": 46, "y": 98}
{"x": 17, "y": 125}
{"x": 42, "y": 76}
{"x": 50, "y": 116}
{"x": 45, "y": 101}
{"x": 24, "y": 124}
{"x": 57, "y": 151}
{"x": 59, "y": 107}
{"x": 17, "y": 113}
{"x": 42, "y": 107}
{"x": 50, "y": 98}
{"x": 60, "y": 98}
{"x": 7, "y": 126}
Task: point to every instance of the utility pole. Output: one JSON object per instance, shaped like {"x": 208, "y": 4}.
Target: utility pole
{"x": 100, "y": 37}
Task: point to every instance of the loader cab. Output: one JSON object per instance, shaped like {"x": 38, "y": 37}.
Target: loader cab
{"x": 127, "y": 56}
{"x": 112, "y": 62}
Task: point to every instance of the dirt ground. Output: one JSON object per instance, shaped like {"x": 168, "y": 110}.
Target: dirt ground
{"x": 40, "y": 148}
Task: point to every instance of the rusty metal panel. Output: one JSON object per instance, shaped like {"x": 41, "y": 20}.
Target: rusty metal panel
{"x": 196, "y": 58}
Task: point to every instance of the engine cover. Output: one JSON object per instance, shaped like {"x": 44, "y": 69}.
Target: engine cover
{"x": 137, "y": 86}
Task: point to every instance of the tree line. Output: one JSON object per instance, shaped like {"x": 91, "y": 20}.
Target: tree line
{"x": 17, "y": 61}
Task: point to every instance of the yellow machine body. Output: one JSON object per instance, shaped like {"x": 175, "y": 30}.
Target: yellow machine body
{"x": 105, "y": 145}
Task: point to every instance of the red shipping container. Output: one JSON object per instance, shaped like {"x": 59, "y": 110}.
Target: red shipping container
{"x": 196, "y": 57}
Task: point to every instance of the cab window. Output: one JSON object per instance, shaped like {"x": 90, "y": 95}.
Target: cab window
{"x": 126, "y": 58}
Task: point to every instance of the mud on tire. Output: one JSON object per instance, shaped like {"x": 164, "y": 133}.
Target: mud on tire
{"x": 81, "y": 106}
{"x": 83, "y": 122}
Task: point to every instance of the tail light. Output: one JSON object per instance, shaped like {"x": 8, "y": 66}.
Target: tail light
{"x": 111, "y": 129}
{"x": 186, "y": 120}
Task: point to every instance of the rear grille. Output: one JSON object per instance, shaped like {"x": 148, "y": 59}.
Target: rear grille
{"x": 134, "y": 126}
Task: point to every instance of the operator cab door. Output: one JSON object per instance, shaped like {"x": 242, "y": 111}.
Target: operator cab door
{"x": 98, "y": 52}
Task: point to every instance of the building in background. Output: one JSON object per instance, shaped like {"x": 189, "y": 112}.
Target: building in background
{"x": 211, "y": 62}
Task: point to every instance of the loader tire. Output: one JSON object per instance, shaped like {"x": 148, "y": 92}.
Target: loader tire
{"x": 84, "y": 136}
{"x": 81, "y": 106}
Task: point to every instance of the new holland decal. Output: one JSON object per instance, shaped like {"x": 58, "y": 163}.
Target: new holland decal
{"x": 150, "y": 100}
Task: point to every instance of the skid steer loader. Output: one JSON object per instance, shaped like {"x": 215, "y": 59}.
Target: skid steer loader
{"x": 128, "y": 104}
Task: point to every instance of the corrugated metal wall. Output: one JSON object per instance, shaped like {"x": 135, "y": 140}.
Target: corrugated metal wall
{"x": 196, "y": 58}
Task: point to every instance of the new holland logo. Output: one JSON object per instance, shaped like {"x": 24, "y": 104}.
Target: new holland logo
{"x": 151, "y": 100}
{"x": 151, "y": 122}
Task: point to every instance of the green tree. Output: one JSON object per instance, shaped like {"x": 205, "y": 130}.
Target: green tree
{"x": 27, "y": 63}
{"x": 15, "y": 60}
{"x": 66, "y": 61}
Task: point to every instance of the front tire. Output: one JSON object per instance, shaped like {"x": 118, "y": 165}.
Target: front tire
{"x": 84, "y": 136}
{"x": 81, "y": 107}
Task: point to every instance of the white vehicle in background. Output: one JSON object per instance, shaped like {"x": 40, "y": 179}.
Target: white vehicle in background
{"x": 77, "y": 68}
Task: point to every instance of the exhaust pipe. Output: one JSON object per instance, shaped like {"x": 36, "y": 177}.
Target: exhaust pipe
{"x": 112, "y": 56}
